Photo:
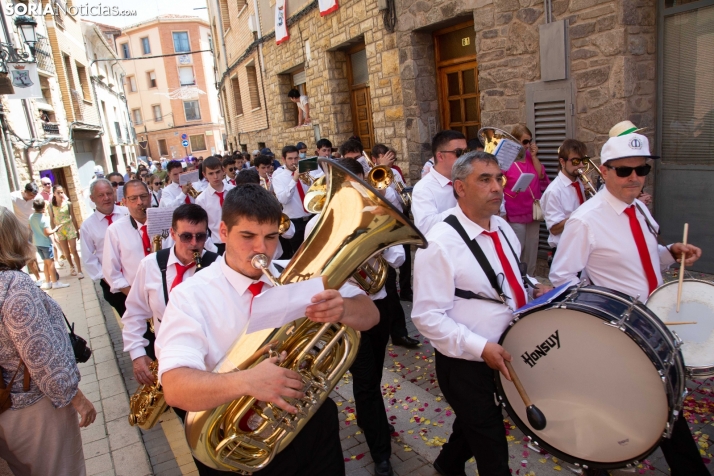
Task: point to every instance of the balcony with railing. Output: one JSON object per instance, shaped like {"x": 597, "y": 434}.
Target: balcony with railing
{"x": 84, "y": 111}
{"x": 51, "y": 128}
{"x": 43, "y": 55}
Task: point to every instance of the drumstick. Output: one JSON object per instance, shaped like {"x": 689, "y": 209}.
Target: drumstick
{"x": 535, "y": 416}
{"x": 681, "y": 267}
{"x": 679, "y": 323}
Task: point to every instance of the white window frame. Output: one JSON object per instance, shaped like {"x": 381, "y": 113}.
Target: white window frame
{"x": 198, "y": 103}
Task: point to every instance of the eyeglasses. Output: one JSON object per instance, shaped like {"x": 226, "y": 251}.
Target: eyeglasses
{"x": 46, "y": 184}
{"x": 577, "y": 160}
{"x": 189, "y": 237}
{"x": 457, "y": 152}
{"x": 526, "y": 141}
{"x": 116, "y": 184}
{"x": 230, "y": 169}
{"x": 134, "y": 198}
{"x": 157, "y": 183}
{"x": 624, "y": 172}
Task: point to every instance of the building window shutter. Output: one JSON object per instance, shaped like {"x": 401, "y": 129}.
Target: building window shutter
{"x": 186, "y": 76}
{"x": 237, "y": 101}
{"x": 253, "y": 86}
{"x": 225, "y": 15}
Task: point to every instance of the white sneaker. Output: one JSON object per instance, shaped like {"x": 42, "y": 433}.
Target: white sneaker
{"x": 80, "y": 276}
{"x": 46, "y": 286}
{"x": 39, "y": 283}
{"x": 59, "y": 285}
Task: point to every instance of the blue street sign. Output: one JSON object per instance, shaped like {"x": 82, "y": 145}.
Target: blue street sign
{"x": 184, "y": 143}
{"x": 184, "y": 136}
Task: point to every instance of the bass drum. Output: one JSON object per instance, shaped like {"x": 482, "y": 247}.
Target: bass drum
{"x": 697, "y": 305}
{"x": 605, "y": 371}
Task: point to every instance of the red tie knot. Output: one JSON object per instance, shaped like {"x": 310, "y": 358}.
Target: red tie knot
{"x": 180, "y": 272}
{"x": 450, "y": 183}
{"x": 108, "y": 218}
{"x": 220, "y": 196}
{"x": 256, "y": 288}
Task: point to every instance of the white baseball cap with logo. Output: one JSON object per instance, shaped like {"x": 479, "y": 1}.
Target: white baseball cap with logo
{"x": 622, "y": 147}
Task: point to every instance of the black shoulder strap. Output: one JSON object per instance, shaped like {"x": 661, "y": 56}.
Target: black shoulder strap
{"x": 522, "y": 267}
{"x": 162, "y": 259}
{"x": 651, "y": 227}
{"x": 207, "y": 259}
{"x": 478, "y": 254}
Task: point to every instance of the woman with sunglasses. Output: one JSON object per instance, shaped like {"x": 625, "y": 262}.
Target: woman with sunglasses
{"x": 61, "y": 213}
{"x": 519, "y": 205}
{"x": 155, "y": 186}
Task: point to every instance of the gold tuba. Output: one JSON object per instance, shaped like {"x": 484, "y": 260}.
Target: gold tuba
{"x": 315, "y": 196}
{"x": 356, "y": 224}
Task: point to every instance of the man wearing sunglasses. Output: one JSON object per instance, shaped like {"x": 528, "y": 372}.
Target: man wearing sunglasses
{"x": 433, "y": 195}
{"x": 565, "y": 193}
{"x": 613, "y": 238}
{"x": 116, "y": 179}
{"x": 157, "y": 275}
{"x": 211, "y": 199}
{"x": 230, "y": 168}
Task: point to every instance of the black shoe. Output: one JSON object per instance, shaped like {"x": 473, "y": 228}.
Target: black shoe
{"x": 383, "y": 469}
{"x": 444, "y": 473}
{"x": 405, "y": 341}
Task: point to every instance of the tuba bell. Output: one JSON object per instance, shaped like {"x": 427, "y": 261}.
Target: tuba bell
{"x": 356, "y": 223}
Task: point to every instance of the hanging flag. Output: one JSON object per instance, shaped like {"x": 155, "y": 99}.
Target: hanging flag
{"x": 281, "y": 22}
{"x": 25, "y": 80}
{"x": 327, "y": 7}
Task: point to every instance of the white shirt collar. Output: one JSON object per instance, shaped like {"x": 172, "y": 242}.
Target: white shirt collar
{"x": 564, "y": 179}
{"x": 618, "y": 205}
{"x": 443, "y": 181}
{"x": 472, "y": 229}
{"x": 212, "y": 191}
{"x": 239, "y": 281}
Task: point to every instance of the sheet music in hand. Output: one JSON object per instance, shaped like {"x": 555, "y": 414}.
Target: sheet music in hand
{"x": 506, "y": 153}
{"x": 158, "y": 220}
{"x": 188, "y": 177}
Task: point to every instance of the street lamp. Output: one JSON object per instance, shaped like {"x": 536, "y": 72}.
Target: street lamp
{"x": 10, "y": 54}
{"x": 27, "y": 25}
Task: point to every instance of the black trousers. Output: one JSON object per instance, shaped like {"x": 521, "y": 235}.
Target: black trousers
{"x": 366, "y": 383}
{"x": 405, "y": 273}
{"x": 682, "y": 453}
{"x": 398, "y": 320}
{"x": 287, "y": 248}
{"x": 115, "y": 300}
{"x": 478, "y": 429}
{"x": 315, "y": 451}
{"x": 299, "y": 237}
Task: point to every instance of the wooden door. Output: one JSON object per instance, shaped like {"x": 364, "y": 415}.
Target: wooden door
{"x": 460, "y": 98}
{"x": 360, "y": 99}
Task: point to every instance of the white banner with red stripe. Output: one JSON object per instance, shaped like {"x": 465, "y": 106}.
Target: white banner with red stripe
{"x": 281, "y": 22}
{"x": 327, "y": 7}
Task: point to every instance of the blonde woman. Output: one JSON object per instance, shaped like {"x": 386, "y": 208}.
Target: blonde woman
{"x": 61, "y": 213}
{"x": 40, "y": 432}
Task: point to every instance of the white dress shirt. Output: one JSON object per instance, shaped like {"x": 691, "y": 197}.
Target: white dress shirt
{"x": 559, "y": 200}
{"x": 91, "y": 238}
{"x": 123, "y": 251}
{"x": 146, "y": 301}
{"x": 206, "y": 315}
{"x": 200, "y": 185}
{"x": 598, "y": 239}
{"x": 457, "y": 327}
{"x": 172, "y": 196}
{"x": 212, "y": 204}
{"x": 229, "y": 181}
{"x": 432, "y": 197}
{"x": 22, "y": 208}
{"x": 285, "y": 189}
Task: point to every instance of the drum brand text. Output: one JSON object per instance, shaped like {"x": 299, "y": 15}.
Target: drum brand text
{"x": 531, "y": 358}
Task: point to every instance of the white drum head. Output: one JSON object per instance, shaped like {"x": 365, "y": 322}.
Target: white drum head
{"x": 603, "y": 398}
{"x": 697, "y": 305}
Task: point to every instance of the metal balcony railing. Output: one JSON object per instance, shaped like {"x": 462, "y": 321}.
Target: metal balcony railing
{"x": 43, "y": 55}
{"x": 51, "y": 128}
{"x": 83, "y": 112}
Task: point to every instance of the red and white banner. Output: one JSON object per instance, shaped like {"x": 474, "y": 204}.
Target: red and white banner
{"x": 281, "y": 22}
{"x": 327, "y": 7}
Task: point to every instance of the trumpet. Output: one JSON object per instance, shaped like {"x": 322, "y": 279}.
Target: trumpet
{"x": 284, "y": 223}
{"x": 306, "y": 178}
{"x": 192, "y": 192}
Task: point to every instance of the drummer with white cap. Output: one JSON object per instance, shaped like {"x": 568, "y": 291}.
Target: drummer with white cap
{"x": 613, "y": 237}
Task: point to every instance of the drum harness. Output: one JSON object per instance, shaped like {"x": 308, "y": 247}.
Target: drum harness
{"x": 485, "y": 265}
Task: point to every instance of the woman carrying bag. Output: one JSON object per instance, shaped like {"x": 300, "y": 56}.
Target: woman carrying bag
{"x": 523, "y": 210}
{"x": 39, "y": 390}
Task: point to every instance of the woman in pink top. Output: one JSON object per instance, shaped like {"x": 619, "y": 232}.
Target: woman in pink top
{"x": 519, "y": 205}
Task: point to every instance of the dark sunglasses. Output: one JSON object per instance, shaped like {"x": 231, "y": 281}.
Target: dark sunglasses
{"x": 526, "y": 141}
{"x": 188, "y": 237}
{"x": 624, "y": 172}
{"x": 457, "y": 152}
{"x": 230, "y": 169}
{"x": 578, "y": 161}
{"x": 116, "y": 184}
{"x": 157, "y": 183}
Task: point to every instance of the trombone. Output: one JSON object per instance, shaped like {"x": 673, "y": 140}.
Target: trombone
{"x": 590, "y": 189}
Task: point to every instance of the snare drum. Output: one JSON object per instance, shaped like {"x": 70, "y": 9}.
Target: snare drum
{"x": 697, "y": 305}
{"x": 606, "y": 373}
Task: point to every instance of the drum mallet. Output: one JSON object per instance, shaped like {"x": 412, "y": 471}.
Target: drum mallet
{"x": 681, "y": 267}
{"x": 535, "y": 416}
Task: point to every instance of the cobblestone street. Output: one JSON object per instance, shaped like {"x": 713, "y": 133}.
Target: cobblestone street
{"x": 415, "y": 406}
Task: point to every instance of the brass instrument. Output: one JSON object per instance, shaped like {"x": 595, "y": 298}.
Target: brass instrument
{"x": 284, "y": 223}
{"x": 590, "y": 189}
{"x": 372, "y": 278}
{"x": 356, "y": 223}
{"x": 192, "y": 192}
{"x": 315, "y": 195}
{"x": 404, "y": 193}
{"x": 197, "y": 259}
{"x": 147, "y": 404}
{"x": 305, "y": 166}
{"x": 380, "y": 177}
{"x": 490, "y": 137}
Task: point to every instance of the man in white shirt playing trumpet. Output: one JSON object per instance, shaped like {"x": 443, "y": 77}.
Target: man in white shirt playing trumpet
{"x": 204, "y": 319}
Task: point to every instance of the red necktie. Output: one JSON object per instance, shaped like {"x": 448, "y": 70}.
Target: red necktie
{"x": 642, "y": 247}
{"x": 450, "y": 183}
{"x": 108, "y": 218}
{"x": 180, "y": 271}
{"x": 576, "y": 185}
{"x": 220, "y": 196}
{"x": 519, "y": 297}
{"x": 301, "y": 192}
{"x": 232, "y": 181}
{"x": 145, "y": 240}
{"x": 254, "y": 289}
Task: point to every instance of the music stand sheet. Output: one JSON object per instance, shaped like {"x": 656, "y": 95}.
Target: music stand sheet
{"x": 158, "y": 220}
{"x": 188, "y": 177}
{"x": 279, "y": 305}
{"x": 506, "y": 153}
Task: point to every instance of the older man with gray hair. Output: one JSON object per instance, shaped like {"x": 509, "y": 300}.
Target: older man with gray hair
{"x": 463, "y": 310}
{"x": 92, "y": 233}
